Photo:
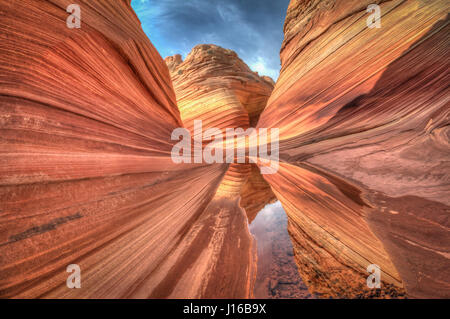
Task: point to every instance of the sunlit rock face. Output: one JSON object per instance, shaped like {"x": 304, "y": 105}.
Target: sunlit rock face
{"x": 86, "y": 176}
{"x": 213, "y": 84}
{"x": 255, "y": 193}
{"x": 363, "y": 115}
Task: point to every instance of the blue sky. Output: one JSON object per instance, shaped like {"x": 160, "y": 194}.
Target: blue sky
{"x": 252, "y": 28}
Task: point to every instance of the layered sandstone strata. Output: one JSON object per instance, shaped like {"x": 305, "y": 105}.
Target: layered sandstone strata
{"x": 215, "y": 86}
{"x": 86, "y": 175}
{"x": 363, "y": 115}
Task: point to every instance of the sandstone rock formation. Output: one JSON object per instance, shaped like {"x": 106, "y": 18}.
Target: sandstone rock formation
{"x": 215, "y": 86}
{"x": 363, "y": 115}
{"x": 277, "y": 271}
{"x": 86, "y": 175}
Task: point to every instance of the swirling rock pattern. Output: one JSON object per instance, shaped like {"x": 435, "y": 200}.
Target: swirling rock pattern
{"x": 363, "y": 115}
{"x": 215, "y": 86}
{"x": 86, "y": 175}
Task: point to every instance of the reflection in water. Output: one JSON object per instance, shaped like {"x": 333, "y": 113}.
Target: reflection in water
{"x": 277, "y": 274}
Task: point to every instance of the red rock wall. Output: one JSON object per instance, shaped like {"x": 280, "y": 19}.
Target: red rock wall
{"x": 363, "y": 117}
{"x": 85, "y": 169}
{"x": 215, "y": 86}
{"x": 86, "y": 177}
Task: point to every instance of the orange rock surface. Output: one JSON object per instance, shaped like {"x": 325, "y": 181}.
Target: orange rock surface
{"x": 363, "y": 115}
{"x": 214, "y": 85}
{"x": 86, "y": 175}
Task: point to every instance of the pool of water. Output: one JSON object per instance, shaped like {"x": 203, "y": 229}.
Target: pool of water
{"x": 277, "y": 274}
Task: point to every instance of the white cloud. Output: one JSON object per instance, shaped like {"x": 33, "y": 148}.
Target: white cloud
{"x": 260, "y": 66}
